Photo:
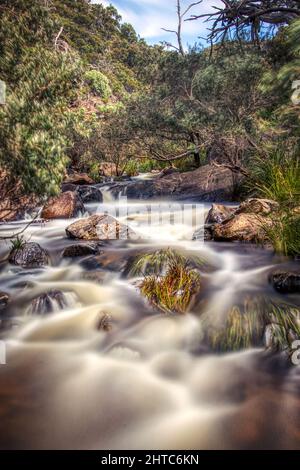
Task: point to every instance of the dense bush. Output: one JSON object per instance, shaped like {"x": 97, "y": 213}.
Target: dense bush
{"x": 98, "y": 83}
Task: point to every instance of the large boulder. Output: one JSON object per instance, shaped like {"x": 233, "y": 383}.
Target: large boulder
{"x": 207, "y": 183}
{"x": 258, "y": 206}
{"x": 78, "y": 179}
{"x": 99, "y": 227}
{"x": 65, "y": 206}
{"x": 243, "y": 228}
{"x": 286, "y": 282}
{"x": 29, "y": 255}
{"x": 219, "y": 213}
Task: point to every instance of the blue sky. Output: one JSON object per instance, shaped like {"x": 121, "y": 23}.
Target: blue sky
{"x": 149, "y": 16}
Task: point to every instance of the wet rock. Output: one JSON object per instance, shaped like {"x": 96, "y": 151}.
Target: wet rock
{"x": 205, "y": 233}
{"x": 65, "y": 206}
{"x": 30, "y": 255}
{"x": 207, "y": 183}
{"x": 99, "y": 227}
{"x": 258, "y": 206}
{"x": 68, "y": 187}
{"x": 168, "y": 171}
{"x": 79, "y": 178}
{"x": 243, "y": 228}
{"x": 49, "y": 302}
{"x": 74, "y": 251}
{"x": 286, "y": 282}
{"x": 89, "y": 194}
{"x": 219, "y": 213}
{"x": 4, "y": 299}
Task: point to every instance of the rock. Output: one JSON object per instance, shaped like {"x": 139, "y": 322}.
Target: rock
{"x": 258, "y": 206}
{"x": 78, "y": 179}
{"x": 104, "y": 322}
{"x": 4, "y": 299}
{"x": 30, "y": 255}
{"x": 219, "y": 213}
{"x": 95, "y": 276}
{"x": 90, "y": 194}
{"x": 207, "y": 183}
{"x": 65, "y": 206}
{"x": 74, "y": 251}
{"x": 68, "y": 187}
{"x": 108, "y": 169}
{"x": 168, "y": 171}
{"x": 99, "y": 227}
{"x": 243, "y": 228}
{"x": 205, "y": 233}
{"x": 49, "y": 302}
{"x": 286, "y": 282}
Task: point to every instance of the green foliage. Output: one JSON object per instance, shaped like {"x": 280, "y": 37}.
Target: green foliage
{"x": 17, "y": 243}
{"x": 245, "y": 327}
{"x": 284, "y": 232}
{"x": 98, "y": 83}
{"x": 276, "y": 175}
{"x": 170, "y": 281}
{"x": 35, "y": 121}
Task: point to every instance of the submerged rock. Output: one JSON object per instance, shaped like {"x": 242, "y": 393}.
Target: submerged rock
{"x": 97, "y": 277}
{"x": 65, "y": 206}
{"x": 99, "y": 227}
{"x": 219, "y": 213}
{"x": 30, "y": 255}
{"x": 74, "y": 251}
{"x": 104, "y": 322}
{"x": 78, "y": 178}
{"x": 49, "y": 302}
{"x": 4, "y": 299}
{"x": 243, "y": 228}
{"x": 286, "y": 282}
{"x": 90, "y": 194}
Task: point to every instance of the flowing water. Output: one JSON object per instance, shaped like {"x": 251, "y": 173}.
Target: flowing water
{"x": 150, "y": 381}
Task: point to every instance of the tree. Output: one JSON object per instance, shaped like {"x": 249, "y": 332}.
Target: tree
{"x": 35, "y": 121}
{"x": 238, "y": 16}
{"x": 202, "y": 106}
{"x": 181, "y": 15}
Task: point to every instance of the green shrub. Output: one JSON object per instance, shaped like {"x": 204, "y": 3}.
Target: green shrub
{"x": 98, "y": 83}
{"x": 245, "y": 326}
{"x": 170, "y": 281}
{"x": 284, "y": 233}
{"x": 277, "y": 176}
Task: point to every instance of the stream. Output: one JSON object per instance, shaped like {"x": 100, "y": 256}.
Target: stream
{"x": 149, "y": 381}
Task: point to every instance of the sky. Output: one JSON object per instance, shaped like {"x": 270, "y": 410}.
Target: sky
{"x": 149, "y": 17}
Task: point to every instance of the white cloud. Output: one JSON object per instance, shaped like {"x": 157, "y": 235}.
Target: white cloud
{"x": 150, "y": 16}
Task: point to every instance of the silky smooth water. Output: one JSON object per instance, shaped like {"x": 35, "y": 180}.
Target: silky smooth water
{"x": 149, "y": 382}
